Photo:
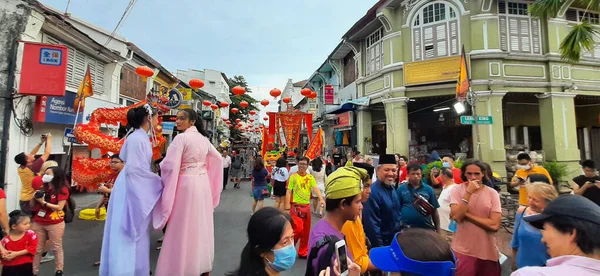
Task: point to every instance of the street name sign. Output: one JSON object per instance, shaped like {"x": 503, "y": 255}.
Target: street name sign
{"x": 482, "y": 120}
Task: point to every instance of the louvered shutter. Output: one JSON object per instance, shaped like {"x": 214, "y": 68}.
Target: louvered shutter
{"x": 571, "y": 15}
{"x": 513, "y": 29}
{"x": 441, "y": 40}
{"x": 428, "y": 42}
{"x": 503, "y": 34}
{"x": 525, "y": 42}
{"x": 454, "y": 38}
{"x": 99, "y": 79}
{"x": 417, "y": 43}
{"x": 536, "y": 36}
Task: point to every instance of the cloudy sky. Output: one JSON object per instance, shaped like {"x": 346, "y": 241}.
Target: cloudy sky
{"x": 266, "y": 41}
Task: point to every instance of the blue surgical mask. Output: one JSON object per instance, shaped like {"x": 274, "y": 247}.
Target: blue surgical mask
{"x": 446, "y": 165}
{"x": 284, "y": 258}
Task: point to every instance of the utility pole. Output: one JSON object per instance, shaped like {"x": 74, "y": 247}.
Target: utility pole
{"x": 472, "y": 101}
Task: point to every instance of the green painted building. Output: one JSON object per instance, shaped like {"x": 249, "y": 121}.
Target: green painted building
{"x": 406, "y": 60}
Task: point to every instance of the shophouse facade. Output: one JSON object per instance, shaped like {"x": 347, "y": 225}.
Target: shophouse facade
{"x": 406, "y": 61}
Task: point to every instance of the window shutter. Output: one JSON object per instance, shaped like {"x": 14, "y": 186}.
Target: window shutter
{"x": 428, "y": 42}
{"x": 417, "y": 43}
{"x": 536, "y": 36}
{"x": 79, "y": 67}
{"x": 503, "y": 34}
{"x": 99, "y": 78}
{"x": 441, "y": 40}
{"x": 571, "y": 15}
{"x": 454, "y": 38}
{"x": 513, "y": 29}
{"x": 524, "y": 35}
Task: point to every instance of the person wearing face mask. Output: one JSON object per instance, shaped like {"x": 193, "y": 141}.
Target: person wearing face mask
{"x": 476, "y": 209}
{"x": 270, "y": 247}
{"x": 588, "y": 184}
{"x": 381, "y": 213}
{"x": 527, "y": 246}
{"x": 132, "y": 199}
{"x": 571, "y": 233}
{"x": 343, "y": 203}
{"x": 526, "y": 167}
{"x": 192, "y": 181}
{"x": 447, "y": 162}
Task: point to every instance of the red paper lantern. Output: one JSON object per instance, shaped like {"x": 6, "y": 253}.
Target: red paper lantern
{"x": 225, "y": 120}
{"x": 224, "y": 104}
{"x": 235, "y": 110}
{"x": 252, "y": 112}
{"x": 144, "y": 71}
{"x": 275, "y": 92}
{"x": 236, "y": 127}
{"x": 312, "y": 95}
{"x": 244, "y": 104}
{"x": 287, "y": 100}
{"x": 240, "y": 124}
{"x": 238, "y": 90}
{"x": 266, "y": 118}
{"x": 238, "y": 121}
{"x": 196, "y": 84}
{"x": 252, "y": 120}
{"x": 264, "y": 102}
{"x": 305, "y": 92}
{"x": 214, "y": 106}
{"x": 206, "y": 103}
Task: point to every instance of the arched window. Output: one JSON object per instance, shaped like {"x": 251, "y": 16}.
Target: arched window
{"x": 435, "y": 32}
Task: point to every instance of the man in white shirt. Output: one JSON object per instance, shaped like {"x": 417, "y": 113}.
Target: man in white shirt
{"x": 226, "y": 165}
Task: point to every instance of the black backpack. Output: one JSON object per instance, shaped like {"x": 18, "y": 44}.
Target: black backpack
{"x": 69, "y": 210}
{"x": 237, "y": 162}
{"x": 324, "y": 260}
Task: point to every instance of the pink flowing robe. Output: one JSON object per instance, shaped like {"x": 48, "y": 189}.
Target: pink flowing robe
{"x": 192, "y": 175}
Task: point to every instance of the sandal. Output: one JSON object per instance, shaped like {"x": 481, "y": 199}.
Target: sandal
{"x": 159, "y": 248}
{"x": 97, "y": 263}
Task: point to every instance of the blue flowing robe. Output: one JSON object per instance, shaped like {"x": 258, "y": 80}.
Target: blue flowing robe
{"x": 126, "y": 242}
{"x": 381, "y": 214}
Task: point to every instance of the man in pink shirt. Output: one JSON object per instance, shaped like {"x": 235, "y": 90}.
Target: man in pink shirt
{"x": 571, "y": 232}
{"x": 476, "y": 209}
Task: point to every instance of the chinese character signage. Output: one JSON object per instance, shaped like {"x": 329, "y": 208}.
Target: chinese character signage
{"x": 329, "y": 95}
{"x": 43, "y": 70}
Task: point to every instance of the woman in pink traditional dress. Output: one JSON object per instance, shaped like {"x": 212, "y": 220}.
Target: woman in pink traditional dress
{"x": 192, "y": 176}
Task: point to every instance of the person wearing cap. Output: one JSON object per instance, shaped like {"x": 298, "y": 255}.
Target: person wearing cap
{"x": 416, "y": 252}
{"x": 381, "y": 213}
{"x": 477, "y": 210}
{"x": 297, "y": 204}
{"x": 413, "y": 194}
{"x": 353, "y": 230}
{"x": 343, "y": 203}
{"x": 571, "y": 233}
{"x": 525, "y": 168}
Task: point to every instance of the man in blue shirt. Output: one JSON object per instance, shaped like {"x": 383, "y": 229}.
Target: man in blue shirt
{"x": 418, "y": 202}
{"x": 381, "y": 213}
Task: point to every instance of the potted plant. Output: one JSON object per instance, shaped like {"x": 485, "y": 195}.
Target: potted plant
{"x": 558, "y": 172}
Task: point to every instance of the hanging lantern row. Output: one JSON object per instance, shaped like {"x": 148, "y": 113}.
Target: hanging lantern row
{"x": 196, "y": 84}
{"x": 305, "y": 92}
{"x": 206, "y": 103}
{"x": 275, "y": 92}
{"x": 235, "y": 110}
{"x": 312, "y": 95}
{"x": 224, "y": 104}
{"x": 266, "y": 118}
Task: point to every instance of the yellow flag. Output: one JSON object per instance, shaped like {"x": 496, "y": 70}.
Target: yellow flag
{"x": 85, "y": 90}
{"x": 462, "y": 86}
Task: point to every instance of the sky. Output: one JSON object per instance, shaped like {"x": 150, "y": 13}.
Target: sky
{"x": 266, "y": 41}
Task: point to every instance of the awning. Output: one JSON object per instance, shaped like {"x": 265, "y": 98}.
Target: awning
{"x": 350, "y": 105}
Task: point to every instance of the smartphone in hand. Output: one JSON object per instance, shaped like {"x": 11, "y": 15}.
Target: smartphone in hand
{"x": 342, "y": 256}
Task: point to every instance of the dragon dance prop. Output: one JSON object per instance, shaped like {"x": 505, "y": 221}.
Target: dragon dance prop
{"x": 88, "y": 172}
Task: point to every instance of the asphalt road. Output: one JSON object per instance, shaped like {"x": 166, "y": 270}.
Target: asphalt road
{"x": 83, "y": 239}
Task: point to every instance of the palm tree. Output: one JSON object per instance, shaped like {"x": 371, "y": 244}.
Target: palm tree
{"x": 583, "y": 35}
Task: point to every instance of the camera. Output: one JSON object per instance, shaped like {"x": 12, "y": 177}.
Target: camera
{"x": 39, "y": 194}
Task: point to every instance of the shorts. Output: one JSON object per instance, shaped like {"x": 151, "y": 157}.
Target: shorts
{"x": 321, "y": 188}
{"x": 25, "y": 269}
{"x": 236, "y": 173}
{"x": 279, "y": 188}
{"x": 260, "y": 192}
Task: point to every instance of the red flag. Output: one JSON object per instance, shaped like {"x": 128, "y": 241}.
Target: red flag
{"x": 314, "y": 149}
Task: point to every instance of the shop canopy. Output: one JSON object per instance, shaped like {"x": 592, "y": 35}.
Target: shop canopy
{"x": 349, "y": 105}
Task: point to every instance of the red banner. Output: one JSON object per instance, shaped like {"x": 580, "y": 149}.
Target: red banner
{"x": 272, "y": 120}
{"x": 329, "y": 94}
{"x": 308, "y": 122}
{"x": 314, "y": 149}
{"x": 291, "y": 125}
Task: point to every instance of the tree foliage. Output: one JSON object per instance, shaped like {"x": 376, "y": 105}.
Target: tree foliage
{"x": 243, "y": 113}
{"x": 582, "y": 36}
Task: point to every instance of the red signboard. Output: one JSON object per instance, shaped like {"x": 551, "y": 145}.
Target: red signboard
{"x": 329, "y": 95}
{"x": 43, "y": 70}
{"x": 345, "y": 119}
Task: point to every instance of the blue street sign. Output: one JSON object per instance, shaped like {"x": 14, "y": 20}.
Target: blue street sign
{"x": 70, "y": 136}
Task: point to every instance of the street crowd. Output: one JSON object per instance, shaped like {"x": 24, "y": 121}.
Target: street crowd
{"x": 388, "y": 217}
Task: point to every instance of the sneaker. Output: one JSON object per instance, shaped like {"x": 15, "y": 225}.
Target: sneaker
{"x": 58, "y": 273}
{"x": 49, "y": 257}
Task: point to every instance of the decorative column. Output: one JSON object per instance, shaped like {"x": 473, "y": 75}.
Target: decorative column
{"x": 491, "y": 144}
{"x": 363, "y": 129}
{"x": 559, "y": 134}
{"x": 396, "y": 115}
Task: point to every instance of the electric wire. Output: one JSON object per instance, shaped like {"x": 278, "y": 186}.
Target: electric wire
{"x": 120, "y": 23}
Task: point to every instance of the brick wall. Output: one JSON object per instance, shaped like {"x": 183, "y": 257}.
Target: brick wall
{"x": 349, "y": 69}
{"x": 132, "y": 84}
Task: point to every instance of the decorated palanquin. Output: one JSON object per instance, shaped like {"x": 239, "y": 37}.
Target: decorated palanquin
{"x": 88, "y": 172}
{"x": 284, "y": 129}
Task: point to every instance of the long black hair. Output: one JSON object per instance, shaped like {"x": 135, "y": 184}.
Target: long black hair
{"x": 137, "y": 116}
{"x": 193, "y": 116}
{"x": 59, "y": 181}
{"x": 264, "y": 232}
{"x": 317, "y": 164}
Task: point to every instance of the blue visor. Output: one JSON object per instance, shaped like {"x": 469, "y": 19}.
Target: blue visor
{"x": 392, "y": 259}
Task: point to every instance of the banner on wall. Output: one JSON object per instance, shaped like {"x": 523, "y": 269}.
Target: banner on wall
{"x": 291, "y": 125}
{"x": 57, "y": 110}
{"x": 329, "y": 95}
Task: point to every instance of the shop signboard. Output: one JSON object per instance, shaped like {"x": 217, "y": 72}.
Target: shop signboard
{"x": 482, "y": 120}
{"x": 432, "y": 71}
{"x": 174, "y": 98}
{"x": 168, "y": 127}
{"x": 57, "y": 110}
{"x": 329, "y": 95}
{"x": 43, "y": 69}
{"x": 344, "y": 119}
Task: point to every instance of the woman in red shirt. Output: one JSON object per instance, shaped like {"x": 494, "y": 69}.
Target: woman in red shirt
{"x": 48, "y": 216}
{"x": 18, "y": 248}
